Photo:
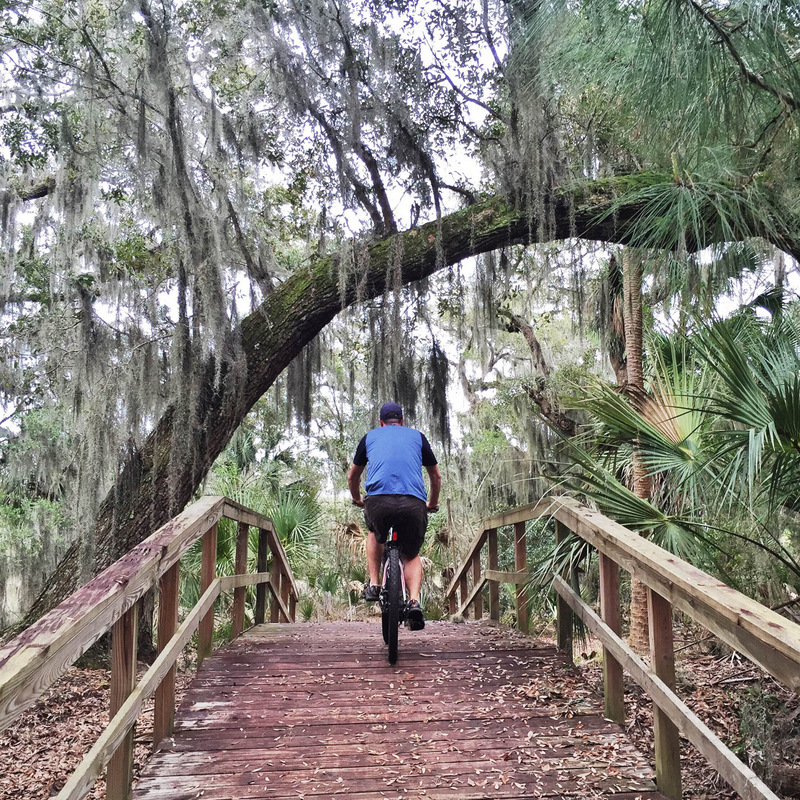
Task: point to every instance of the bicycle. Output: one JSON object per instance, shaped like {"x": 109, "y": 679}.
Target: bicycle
{"x": 393, "y": 594}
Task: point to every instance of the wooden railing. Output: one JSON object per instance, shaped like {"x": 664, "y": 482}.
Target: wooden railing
{"x": 39, "y": 655}
{"x": 763, "y": 636}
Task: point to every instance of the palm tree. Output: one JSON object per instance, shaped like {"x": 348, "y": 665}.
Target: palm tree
{"x": 719, "y": 443}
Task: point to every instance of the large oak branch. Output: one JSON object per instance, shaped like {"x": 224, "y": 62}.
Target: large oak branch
{"x": 153, "y": 485}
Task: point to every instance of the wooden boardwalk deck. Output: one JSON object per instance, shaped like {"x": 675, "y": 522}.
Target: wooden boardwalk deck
{"x": 469, "y": 711}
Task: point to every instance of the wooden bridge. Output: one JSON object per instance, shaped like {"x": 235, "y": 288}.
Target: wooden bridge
{"x": 315, "y": 710}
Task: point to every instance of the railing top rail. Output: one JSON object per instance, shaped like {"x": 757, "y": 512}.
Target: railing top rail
{"x": 770, "y": 640}
{"x": 240, "y": 513}
{"x": 35, "y": 658}
{"x": 521, "y": 514}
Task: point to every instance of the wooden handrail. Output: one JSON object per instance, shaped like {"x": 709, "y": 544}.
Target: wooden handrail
{"x": 32, "y": 661}
{"x": 767, "y": 638}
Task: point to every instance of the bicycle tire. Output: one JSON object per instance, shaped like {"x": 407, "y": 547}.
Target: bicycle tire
{"x": 393, "y": 602}
{"x": 385, "y": 622}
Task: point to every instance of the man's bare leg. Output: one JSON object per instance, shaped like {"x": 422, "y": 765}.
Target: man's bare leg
{"x": 374, "y": 558}
{"x": 413, "y": 573}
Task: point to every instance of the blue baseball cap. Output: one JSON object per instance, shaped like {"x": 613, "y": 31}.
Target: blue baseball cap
{"x": 391, "y": 410}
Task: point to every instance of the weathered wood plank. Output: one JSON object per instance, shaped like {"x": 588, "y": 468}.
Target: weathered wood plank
{"x": 123, "y": 679}
{"x": 519, "y": 577}
{"x": 240, "y": 568}
{"x": 613, "y": 686}
{"x": 477, "y": 603}
{"x": 564, "y": 621}
{"x": 233, "y": 582}
{"x": 521, "y": 566}
{"x": 121, "y": 723}
{"x": 475, "y": 547}
{"x": 492, "y": 563}
{"x": 30, "y": 662}
{"x": 471, "y": 596}
{"x": 764, "y": 636}
{"x": 164, "y": 711}
{"x": 208, "y": 573}
{"x": 261, "y": 566}
{"x": 739, "y": 776}
{"x": 452, "y": 719}
{"x": 662, "y": 659}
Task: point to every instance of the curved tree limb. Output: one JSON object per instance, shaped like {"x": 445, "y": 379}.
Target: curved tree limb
{"x": 148, "y": 491}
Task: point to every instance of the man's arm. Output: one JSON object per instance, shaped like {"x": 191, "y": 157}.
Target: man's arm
{"x": 354, "y": 484}
{"x": 436, "y": 486}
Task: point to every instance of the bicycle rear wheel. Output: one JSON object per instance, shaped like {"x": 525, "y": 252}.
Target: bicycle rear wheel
{"x": 393, "y": 602}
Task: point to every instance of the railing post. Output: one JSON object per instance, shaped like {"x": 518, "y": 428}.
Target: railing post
{"x": 242, "y": 536}
{"x": 521, "y": 565}
{"x": 494, "y": 586}
{"x": 477, "y": 605}
{"x": 208, "y": 572}
{"x": 463, "y": 591}
{"x": 564, "y": 621}
{"x": 261, "y": 588}
{"x": 164, "y": 712}
{"x": 662, "y": 657}
{"x": 292, "y": 608}
{"x": 123, "y": 679}
{"x": 451, "y": 603}
{"x": 275, "y": 582}
{"x": 613, "y": 689}
{"x": 286, "y": 588}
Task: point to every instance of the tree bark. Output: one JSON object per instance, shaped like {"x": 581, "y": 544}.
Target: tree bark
{"x": 152, "y": 487}
{"x": 632, "y": 267}
{"x": 536, "y": 389}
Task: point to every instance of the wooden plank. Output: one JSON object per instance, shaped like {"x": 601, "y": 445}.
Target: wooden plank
{"x": 239, "y": 513}
{"x": 279, "y": 607}
{"x": 492, "y": 564}
{"x": 564, "y": 621}
{"x": 764, "y": 636}
{"x": 123, "y": 680}
{"x": 164, "y": 711}
{"x": 474, "y": 547}
{"x": 233, "y": 582}
{"x": 463, "y": 591}
{"x": 275, "y": 591}
{"x": 504, "y": 576}
{"x": 261, "y": 566}
{"x": 279, "y": 556}
{"x": 333, "y": 729}
{"x": 662, "y": 659}
{"x": 739, "y": 776}
{"x": 613, "y": 686}
{"x": 240, "y": 568}
{"x": 521, "y": 566}
{"x": 476, "y": 590}
{"x": 30, "y": 662}
{"x": 122, "y": 722}
{"x": 521, "y": 514}
{"x": 208, "y": 572}
{"x": 477, "y": 603}
{"x": 286, "y": 593}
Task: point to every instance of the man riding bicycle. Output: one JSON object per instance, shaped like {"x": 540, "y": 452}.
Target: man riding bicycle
{"x": 396, "y": 498}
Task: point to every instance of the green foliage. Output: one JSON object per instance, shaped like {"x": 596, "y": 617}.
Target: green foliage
{"x": 716, "y": 435}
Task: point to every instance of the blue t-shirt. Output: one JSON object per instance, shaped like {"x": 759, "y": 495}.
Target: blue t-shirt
{"x": 394, "y": 456}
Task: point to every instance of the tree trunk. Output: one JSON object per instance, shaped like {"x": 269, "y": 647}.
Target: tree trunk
{"x": 634, "y": 347}
{"x": 152, "y": 487}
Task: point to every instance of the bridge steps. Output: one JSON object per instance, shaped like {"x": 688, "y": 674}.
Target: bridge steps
{"x": 315, "y": 710}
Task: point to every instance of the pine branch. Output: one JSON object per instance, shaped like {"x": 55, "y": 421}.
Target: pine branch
{"x": 786, "y": 98}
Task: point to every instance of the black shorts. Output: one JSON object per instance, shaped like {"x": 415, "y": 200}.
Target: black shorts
{"x": 408, "y": 515}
